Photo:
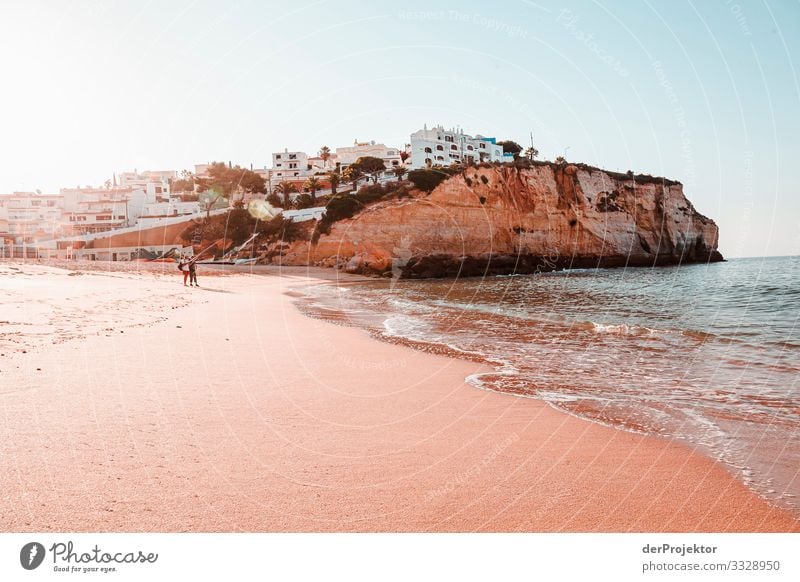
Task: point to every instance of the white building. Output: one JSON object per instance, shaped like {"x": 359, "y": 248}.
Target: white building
{"x": 154, "y": 183}
{"x": 153, "y": 212}
{"x": 29, "y": 216}
{"x": 348, "y": 155}
{"x": 201, "y": 170}
{"x": 89, "y": 210}
{"x": 441, "y": 147}
{"x": 288, "y": 164}
{"x": 320, "y": 166}
{"x": 296, "y": 167}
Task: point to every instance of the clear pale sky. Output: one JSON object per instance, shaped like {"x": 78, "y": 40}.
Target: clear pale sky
{"x": 705, "y": 92}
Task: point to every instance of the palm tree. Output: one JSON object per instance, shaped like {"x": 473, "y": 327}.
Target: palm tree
{"x": 325, "y": 154}
{"x": 312, "y": 185}
{"x": 399, "y": 171}
{"x": 333, "y": 179}
{"x": 286, "y": 189}
{"x": 531, "y": 153}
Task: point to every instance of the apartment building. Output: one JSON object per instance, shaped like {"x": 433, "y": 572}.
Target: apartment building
{"x": 90, "y": 210}
{"x": 29, "y": 216}
{"x": 154, "y": 183}
{"x": 348, "y": 155}
{"x": 441, "y": 147}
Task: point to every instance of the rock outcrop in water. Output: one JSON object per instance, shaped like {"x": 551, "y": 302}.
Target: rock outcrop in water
{"x": 506, "y": 219}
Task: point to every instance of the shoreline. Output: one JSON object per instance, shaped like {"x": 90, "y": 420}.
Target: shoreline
{"x": 765, "y": 467}
{"x": 237, "y": 412}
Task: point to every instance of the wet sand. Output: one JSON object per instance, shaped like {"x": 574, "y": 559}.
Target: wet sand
{"x": 224, "y": 408}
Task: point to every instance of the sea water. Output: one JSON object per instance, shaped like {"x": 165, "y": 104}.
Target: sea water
{"x": 705, "y": 354}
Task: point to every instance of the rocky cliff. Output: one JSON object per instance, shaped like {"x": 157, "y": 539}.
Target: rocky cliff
{"x": 503, "y": 219}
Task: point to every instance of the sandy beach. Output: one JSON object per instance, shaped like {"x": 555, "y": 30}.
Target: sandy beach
{"x": 132, "y": 403}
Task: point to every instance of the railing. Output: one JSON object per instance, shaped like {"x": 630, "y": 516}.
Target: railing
{"x": 19, "y": 252}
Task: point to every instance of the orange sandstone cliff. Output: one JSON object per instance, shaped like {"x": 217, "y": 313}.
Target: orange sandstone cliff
{"x": 506, "y": 219}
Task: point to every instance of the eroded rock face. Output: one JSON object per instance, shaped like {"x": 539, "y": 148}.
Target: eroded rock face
{"x": 505, "y": 220}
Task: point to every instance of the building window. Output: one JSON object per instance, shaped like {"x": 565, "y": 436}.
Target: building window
{"x": 428, "y": 160}
{"x": 428, "y": 150}
{"x": 448, "y": 138}
{"x": 483, "y": 146}
{"x": 470, "y": 148}
{"x": 454, "y": 147}
{"x": 395, "y": 163}
{"x": 292, "y": 156}
{"x": 439, "y": 148}
{"x": 440, "y": 158}
{"x": 277, "y": 157}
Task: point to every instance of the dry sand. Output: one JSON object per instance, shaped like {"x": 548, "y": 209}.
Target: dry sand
{"x": 225, "y": 409}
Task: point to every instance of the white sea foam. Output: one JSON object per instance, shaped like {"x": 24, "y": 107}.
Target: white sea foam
{"x": 634, "y": 349}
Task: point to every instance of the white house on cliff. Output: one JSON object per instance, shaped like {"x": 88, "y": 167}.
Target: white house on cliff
{"x": 441, "y": 147}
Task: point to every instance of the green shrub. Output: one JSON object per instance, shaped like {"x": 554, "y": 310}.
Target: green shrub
{"x": 341, "y": 207}
{"x": 280, "y": 228}
{"x": 238, "y": 225}
{"x": 370, "y": 193}
{"x": 338, "y": 208}
{"x": 303, "y": 201}
{"x": 521, "y": 163}
{"x": 427, "y": 180}
{"x": 275, "y": 200}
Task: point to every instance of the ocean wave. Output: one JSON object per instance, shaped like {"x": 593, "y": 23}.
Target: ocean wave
{"x": 689, "y": 361}
{"x": 623, "y": 329}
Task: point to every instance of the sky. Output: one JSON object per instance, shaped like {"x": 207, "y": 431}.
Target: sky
{"x": 705, "y": 92}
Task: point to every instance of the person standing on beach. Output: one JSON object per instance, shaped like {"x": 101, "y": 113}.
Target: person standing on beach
{"x": 193, "y": 273}
{"x": 183, "y": 266}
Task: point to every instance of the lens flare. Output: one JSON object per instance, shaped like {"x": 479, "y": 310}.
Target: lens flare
{"x": 261, "y": 209}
